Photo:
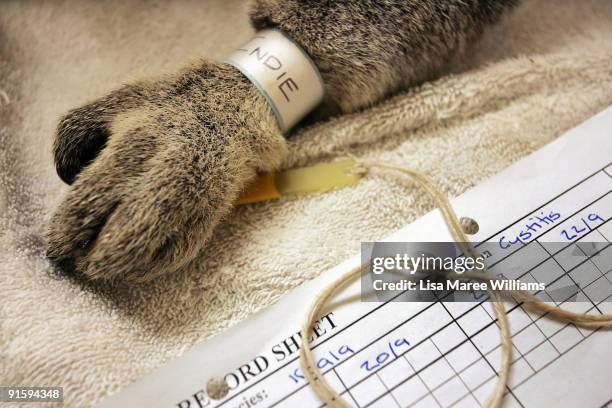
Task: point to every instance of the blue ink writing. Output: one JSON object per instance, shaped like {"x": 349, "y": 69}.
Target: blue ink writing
{"x": 386, "y": 356}
{"x": 584, "y": 226}
{"x": 330, "y": 359}
{"x": 535, "y": 224}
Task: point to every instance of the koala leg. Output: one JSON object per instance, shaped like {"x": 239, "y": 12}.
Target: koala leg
{"x": 154, "y": 166}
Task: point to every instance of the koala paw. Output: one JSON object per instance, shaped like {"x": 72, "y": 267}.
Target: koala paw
{"x": 154, "y": 167}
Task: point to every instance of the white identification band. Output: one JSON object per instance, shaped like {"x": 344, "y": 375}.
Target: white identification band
{"x": 283, "y": 73}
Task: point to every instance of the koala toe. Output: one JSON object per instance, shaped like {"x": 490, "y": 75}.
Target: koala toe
{"x": 77, "y": 220}
{"x": 96, "y": 193}
{"x": 147, "y": 235}
{"x": 84, "y": 131}
{"x": 81, "y": 134}
{"x": 163, "y": 223}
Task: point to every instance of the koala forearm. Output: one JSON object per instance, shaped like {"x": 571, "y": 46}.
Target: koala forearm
{"x": 155, "y": 165}
{"x": 369, "y": 49}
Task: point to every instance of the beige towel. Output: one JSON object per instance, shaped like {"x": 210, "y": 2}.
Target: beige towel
{"x": 544, "y": 69}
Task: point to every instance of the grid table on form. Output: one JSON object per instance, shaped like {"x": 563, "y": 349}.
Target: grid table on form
{"x": 455, "y": 363}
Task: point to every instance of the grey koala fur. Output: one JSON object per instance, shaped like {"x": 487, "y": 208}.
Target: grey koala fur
{"x": 155, "y": 165}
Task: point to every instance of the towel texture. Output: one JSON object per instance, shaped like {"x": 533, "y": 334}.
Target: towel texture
{"x": 542, "y": 70}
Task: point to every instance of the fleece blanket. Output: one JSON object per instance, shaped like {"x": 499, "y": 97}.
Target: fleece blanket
{"x": 542, "y": 70}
